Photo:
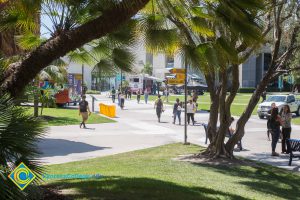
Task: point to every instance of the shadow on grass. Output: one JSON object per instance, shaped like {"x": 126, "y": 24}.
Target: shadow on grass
{"x": 263, "y": 178}
{"x": 136, "y": 189}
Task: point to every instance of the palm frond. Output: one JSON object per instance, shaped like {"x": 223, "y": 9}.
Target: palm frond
{"x": 123, "y": 58}
{"x": 29, "y": 41}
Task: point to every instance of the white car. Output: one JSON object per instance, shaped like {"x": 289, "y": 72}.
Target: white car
{"x": 280, "y": 101}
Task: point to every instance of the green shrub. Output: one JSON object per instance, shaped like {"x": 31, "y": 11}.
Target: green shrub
{"x": 19, "y": 134}
{"x": 93, "y": 92}
{"x": 246, "y": 90}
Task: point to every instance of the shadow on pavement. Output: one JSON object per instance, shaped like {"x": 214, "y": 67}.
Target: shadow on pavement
{"x": 280, "y": 161}
{"x": 138, "y": 188}
{"x": 60, "y": 147}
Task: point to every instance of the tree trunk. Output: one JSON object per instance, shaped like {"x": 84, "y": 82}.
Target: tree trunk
{"x": 8, "y": 44}
{"x": 42, "y": 108}
{"x": 240, "y": 126}
{"x": 19, "y": 74}
{"x": 36, "y": 103}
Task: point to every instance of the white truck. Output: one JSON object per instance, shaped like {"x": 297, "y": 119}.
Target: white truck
{"x": 281, "y": 100}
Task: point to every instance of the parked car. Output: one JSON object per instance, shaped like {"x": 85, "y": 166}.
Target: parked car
{"x": 264, "y": 108}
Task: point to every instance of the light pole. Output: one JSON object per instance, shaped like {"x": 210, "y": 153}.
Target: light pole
{"x": 185, "y": 104}
{"x": 121, "y": 80}
{"x": 82, "y": 79}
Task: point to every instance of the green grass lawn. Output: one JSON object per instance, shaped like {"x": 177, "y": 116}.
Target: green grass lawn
{"x": 62, "y": 116}
{"x": 154, "y": 174}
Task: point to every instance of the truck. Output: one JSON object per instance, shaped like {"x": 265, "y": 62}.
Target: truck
{"x": 281, "y": 100}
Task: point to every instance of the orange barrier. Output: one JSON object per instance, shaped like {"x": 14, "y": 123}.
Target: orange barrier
{"x": 108, "y": 110}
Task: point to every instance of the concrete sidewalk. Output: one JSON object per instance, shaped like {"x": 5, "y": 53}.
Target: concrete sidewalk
{"x": 137, "y": 128}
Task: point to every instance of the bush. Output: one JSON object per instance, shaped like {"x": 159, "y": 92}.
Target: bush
{"x": 19, "y": 134}
{"x": 246, "y": 90}
{"x": 93, "y": 92}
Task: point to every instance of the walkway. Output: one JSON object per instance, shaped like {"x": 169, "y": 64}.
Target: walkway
{"x": 137, "y": 128}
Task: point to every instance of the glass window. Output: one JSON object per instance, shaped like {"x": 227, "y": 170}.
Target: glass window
{"x": 276, "y": 99}
{"x": 169, "y": 61}
{"x": 291, "y": 99}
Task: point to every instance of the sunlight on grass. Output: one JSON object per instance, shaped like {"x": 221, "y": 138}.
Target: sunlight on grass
{"x": 154, "y": 174}
{"x": 63, "y": 116}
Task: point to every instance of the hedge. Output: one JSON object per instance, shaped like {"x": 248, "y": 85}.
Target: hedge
{"x": 246, "y": 90}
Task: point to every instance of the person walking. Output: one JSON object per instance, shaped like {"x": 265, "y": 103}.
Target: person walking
{"x": 84, "y": 111}
{"x": 119, "y": 97}
{"x": 126, "y": 93}
{"x": 159, "y": 107}
{"x": 146, "y": 95}
{"x": 274, "y": 123}
{"x": 113, "y": 94}
{"x": 273, "y": 105}
{"x": 286, "y": 117}
{"x": 122, "y": 98}
{"x": 138, "y": 96}
{"x": 177, "y": 111}
{"x": 129, "y": 94}
{"x": 264, "y": 96}
{"x": 190, "y": 109}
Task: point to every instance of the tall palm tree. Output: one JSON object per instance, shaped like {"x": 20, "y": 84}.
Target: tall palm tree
{"x": 98, "y": 23}
{"x": 210, "y": 35}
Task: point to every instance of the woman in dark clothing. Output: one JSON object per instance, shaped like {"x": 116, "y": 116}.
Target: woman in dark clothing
{"x": 274, "y": 123}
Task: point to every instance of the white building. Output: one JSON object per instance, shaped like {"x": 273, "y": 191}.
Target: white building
{"x": 160, "y": 62}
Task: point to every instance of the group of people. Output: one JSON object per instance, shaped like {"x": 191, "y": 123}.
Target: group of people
{"x": 177, "y": 109}
{"x": 277, "y": 120}
{"x": 127, "y": 95}
{"x": 146, "y": 96}
{"x": 158, "y": 105}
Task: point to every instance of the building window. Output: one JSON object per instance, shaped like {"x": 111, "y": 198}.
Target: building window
{"x": 169, "y": 61}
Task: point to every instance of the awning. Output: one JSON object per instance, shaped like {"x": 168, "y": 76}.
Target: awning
{"x": 153, "y": 78}
{"x": 195, "y": 84}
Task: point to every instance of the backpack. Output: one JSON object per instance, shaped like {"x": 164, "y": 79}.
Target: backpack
{"x": 159, "y": 103}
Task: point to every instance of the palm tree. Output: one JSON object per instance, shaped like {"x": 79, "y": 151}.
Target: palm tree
{"x": 19, "y": 133}
{"x": 148, "y": 69}
{"x": 94, "y": 21}
{"x": 210, "y": 35}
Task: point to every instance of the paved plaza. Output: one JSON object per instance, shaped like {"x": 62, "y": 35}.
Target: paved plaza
{"x": 137, "y": 128}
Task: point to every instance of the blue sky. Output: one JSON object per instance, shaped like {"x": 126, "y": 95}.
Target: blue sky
{"x": 47, "y": 22}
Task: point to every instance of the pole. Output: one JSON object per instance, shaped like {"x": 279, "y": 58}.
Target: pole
{"x": 121, "y": 80}
{"x": 93, "y": 102}
{"x": 82, "y": 79}
{"x": 185, "y": 105}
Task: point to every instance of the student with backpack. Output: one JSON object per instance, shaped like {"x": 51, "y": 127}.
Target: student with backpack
{"x": 138, "y": 96}
{"x": 122, "y": 98}
{"x": 159, "y": 107}
{"x": 113, "y": 94}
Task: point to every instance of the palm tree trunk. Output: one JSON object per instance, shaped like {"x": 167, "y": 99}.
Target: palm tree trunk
{"x": 36, "y": 103}
{"x": 21, "y": 73}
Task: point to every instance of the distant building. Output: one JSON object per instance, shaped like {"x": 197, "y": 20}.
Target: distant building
{"x": 252, "y": 71}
